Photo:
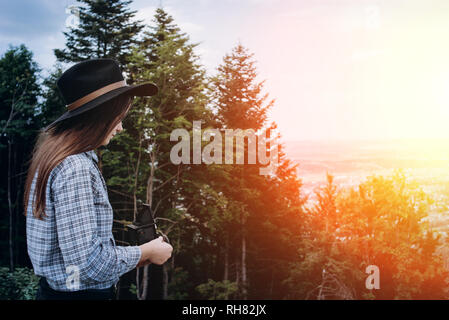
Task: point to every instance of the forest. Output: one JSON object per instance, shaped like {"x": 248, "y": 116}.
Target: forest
{"x": 236, "y": 234}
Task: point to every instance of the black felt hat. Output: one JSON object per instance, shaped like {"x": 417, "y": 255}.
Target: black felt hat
{"x": 91, "y": 83}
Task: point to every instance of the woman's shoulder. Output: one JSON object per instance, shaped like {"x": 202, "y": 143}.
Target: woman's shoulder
{"x": 75, "y": 163}
{"x": 77, "y": 173}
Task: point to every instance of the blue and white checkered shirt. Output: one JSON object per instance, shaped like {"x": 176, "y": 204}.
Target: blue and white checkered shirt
{"x": 75, "y": 238}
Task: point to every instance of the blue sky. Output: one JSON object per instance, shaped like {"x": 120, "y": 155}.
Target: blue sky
{"x": 338, "y": 69}
{"x": 217, "y": 25}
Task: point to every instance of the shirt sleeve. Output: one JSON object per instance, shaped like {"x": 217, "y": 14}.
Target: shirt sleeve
{"x": 76, "y": 225}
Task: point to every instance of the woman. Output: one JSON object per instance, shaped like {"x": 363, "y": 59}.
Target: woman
{"x": 69, "y": 217}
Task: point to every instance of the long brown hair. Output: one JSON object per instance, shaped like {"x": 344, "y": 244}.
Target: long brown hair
{"x": 84, "y": 132}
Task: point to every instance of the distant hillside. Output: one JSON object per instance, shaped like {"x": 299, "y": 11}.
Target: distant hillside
{"x": 351, "y": 161}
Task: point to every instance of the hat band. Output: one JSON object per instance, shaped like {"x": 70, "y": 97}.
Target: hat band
{"x": 95, "y": 94}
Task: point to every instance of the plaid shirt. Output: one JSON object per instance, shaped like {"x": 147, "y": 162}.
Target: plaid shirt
{"x": 75, "y": 237}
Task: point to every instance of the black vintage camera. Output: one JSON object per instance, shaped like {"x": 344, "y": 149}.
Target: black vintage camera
{"x": 144, "y": 228}
{"x": 140, "y": 231}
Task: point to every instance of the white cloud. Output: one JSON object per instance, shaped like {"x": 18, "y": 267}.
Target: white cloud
{"x": 146, "y": 14}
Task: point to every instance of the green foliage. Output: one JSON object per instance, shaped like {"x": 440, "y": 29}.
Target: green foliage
{"x": 133, "y": 289}
{"x": 179, "y": 285}
{"x": 137, "y": 163}
{"x": 252, "y": 217}
{"x": 22, "y": 284}
{"x": 53, "y": 105}
{"x": 382, "y": 224}
{"x": 19, "y": 90}
{"x": 224, "y": 221}
{"x": 217, "y": 290}
{"x": 237, "y": 96}
{"x": 106, "y": 30}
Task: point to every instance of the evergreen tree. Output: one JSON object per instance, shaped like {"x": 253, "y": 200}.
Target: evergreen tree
{"x": 106, "y": 30}
{"x": 276, "y": 229}
{"x": 388, "y": 230}
{"x": 166, "y": 58}
{"x": 379, "y": 224}
{"x": 240, "y": 104}
{"x": 237, "y": 95}
{"x": 53, "y": 104}
{"x": 323, "y": 271}
{"x": 19, "y": 91}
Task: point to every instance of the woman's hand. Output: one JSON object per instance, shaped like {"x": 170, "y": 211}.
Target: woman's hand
{"x": 155, "y": 251}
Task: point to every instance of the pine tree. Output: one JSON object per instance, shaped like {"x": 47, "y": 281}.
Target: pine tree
{"x": 53, "y": 104}
{"x": 276, "y": 228}
{"x": 379, "y": 224}
{"x": 237, "y": 94}
{"x": 19, "y": 91}
{"x": 106, "y": 30}
{"x": 240, "y": 104}
{"x": 325, "y": 271}
{"x": 166, "y": 58}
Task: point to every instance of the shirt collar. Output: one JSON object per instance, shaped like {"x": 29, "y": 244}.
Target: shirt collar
{"x": 91, "y": 154}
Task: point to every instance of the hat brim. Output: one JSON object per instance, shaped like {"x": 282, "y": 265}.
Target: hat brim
{"x": 138, "y": 90}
